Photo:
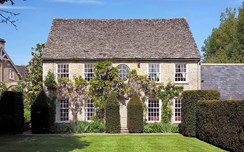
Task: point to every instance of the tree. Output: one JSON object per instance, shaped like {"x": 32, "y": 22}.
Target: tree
{"x": 140, "y": 84}
{"x": 225, "y": 43}
{"x": 51, "y": 89}
{"x": 34, "y": 81}
{"x": 240, "y": 30}
{"x": 6, "y": 16}
{"x": 106, "y": 80}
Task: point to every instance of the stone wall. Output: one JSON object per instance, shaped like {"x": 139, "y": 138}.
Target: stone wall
{"x": 166, "y": 68}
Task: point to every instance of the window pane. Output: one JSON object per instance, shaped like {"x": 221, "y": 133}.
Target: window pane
{"x": 153, "y": 72}
{"x": 123, "y": 71}
{"x": 63, "y": 110}
{"x": 177, "y": 110}
{"x": 63, "y": 70}
{"x": 153, "y": 110}
{"x": 180, "y": 72}
{"x": 89, "y": 110}
{"x": 89, "y": 71}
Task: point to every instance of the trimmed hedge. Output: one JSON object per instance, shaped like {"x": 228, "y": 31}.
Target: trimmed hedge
{"x": 221, "y": 123}
{"x": 188, "y": 110}
{"x": 11, "y": 113}
{"x": 112, "y": 116}
{"x": 40, "y": 114}
{"x": 135, "y": 114}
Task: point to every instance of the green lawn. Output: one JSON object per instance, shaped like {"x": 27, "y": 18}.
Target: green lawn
{"x": 106, "y": 143}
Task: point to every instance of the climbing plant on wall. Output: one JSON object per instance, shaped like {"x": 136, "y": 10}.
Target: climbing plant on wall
{"x": 75, "y": 92}
{"x": 167, "y": 93}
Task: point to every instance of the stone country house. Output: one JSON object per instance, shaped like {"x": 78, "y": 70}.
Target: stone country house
{"x": 9, "y": 72}
{"x": 163, "y": 49}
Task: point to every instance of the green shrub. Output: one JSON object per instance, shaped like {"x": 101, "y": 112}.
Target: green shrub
{"x": 135, "y": 114}
{"x": 221, "y": 123}
{"x": 62, "y": 128}
{"x": 40, "y": 114}
{"x": 189, "y": 101}
{"x": 79, "y": 127}
{"x": 87, "y": 127}
{"x": 50, "y": 82}
{"x": 27, "y": 115}
{"x": 161, "y": 128}
{"x": 11, "y": 112}
{"x": 112, "y": 116}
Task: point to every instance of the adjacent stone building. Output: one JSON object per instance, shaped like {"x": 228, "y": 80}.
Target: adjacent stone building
{"x": 163, "y": 49}
{"x": 228, "y": 79}
{"x": 9, "y": 73}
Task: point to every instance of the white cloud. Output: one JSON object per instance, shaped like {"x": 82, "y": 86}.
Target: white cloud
{"x": 16, "y": 7}
{"x": 93, "y": 2}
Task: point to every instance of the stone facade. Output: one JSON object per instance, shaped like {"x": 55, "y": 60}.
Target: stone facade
{"x": 167, "y": 70}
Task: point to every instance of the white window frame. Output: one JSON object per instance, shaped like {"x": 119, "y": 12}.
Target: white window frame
{"x": 84, "y": 71}
{"x": 58, "y": 111}
{"x": 159, "y": 80}
{"x": 10, "y": 74}
{"x": 186, "y": 73}
{"x": 125, "y": 76}
{"x": 179, "y": 108}
{"x": 62, "y": 73}
{"x": 86, "y": 108}
{"x": 160, "y": 104}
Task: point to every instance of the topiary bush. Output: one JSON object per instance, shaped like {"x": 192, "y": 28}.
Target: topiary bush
{"x": 40, "y": 114}
{"x": 112, "y": 116}
{"x": 188, "y": 110}
{"x": 135, "y": 114}
{"x": 221, "y": 123}
{"x": 11, "y": 113}
{"x": 52, "y": 86}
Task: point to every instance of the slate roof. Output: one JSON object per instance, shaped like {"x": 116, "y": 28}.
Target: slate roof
{"x": 22, "y": 70}
{"x": 228, "y": 79}
{"x": 146, "y": 39}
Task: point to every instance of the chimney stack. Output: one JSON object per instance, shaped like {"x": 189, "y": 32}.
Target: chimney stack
{"x": 2, "y": 42}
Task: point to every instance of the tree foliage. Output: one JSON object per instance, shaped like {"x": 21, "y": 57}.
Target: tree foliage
{"x": 106, "y": 80}
{"x": 34, "y": 81}
{"x": 226, "y": 43}
{"x": 140, "y": 84}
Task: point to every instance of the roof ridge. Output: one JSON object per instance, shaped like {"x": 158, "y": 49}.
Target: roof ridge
{"x": 120, "y": 18}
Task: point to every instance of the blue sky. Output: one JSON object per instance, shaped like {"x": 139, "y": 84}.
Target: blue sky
{"x": 36, "y": 16}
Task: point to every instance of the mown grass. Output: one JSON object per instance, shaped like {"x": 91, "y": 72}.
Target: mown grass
{"x": 104, "y": 143}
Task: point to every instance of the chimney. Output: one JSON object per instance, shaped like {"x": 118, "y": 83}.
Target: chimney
{"x": 2, "y": 42}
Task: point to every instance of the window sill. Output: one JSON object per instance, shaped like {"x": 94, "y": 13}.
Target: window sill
{"x": 177, "y": 122}
{"x": 62, "y": 122}
{"x": 152, "y": 121}
{"x": 181, "y": 82}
